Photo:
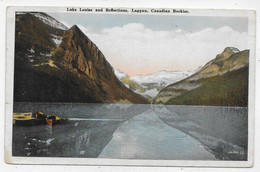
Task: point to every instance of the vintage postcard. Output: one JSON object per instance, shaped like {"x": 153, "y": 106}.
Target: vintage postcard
{"x": 130, "y": 86}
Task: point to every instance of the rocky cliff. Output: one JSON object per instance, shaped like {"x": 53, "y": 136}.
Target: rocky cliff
{"x": 53, "y": 64}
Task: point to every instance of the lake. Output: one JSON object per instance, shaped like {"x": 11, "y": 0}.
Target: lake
{"x": 130, "y": 131}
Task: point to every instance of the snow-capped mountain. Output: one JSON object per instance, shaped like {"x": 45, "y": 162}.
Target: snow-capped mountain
{"x": 150, "y": 85}
{"x": 162, "y": 78}
{"x": 49, "y": 20}
{"x": 120, "y": 74}
{"x": 233, "y": 49}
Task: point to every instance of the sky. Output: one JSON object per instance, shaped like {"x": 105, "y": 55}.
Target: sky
{"x": 144, "y": 44}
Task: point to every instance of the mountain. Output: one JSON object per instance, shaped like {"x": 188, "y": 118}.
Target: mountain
{"x": 56, "y": 64}
{"x": 49, "y": 20}
{"x": 163, "y": 77}
{"x": 155, "y": 82}
{"x": 129, "y": 83}
{"x": 223, "y": 81}
{"x": 150, "y": 85}
{"x": 120, "y": 75}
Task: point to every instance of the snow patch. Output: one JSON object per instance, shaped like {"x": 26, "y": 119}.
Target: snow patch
{"x": 57, "y": 39}
{"x": 120, "y": 74}
{"x": 50, "y": 21}
{"x": 31, "y": 51}
{"x": 162, "y": 77}
{"x": 46, "y": 55}
{"x": 152, "y": 82}
{"x": 235, "y": 50}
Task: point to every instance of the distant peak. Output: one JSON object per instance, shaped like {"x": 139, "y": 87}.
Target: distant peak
{"x": 228, "y": 52}
{"x": 119, "y": 74}
{"x": 232, "y": 49}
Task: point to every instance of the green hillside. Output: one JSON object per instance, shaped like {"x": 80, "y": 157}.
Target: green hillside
{"x": 230, "y": 89}
{"x": 132, "y": 84}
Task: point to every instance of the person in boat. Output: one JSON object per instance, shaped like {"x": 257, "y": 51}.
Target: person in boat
{"x": 39, "y": 115}
{"x": 52, "y": 119}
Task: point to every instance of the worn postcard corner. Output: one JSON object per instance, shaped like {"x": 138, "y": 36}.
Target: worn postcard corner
{"x": 130, "y": 86}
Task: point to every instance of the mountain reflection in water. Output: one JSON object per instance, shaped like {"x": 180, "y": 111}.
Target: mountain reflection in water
{"x": 147, "y": 137}
{"x": 135, "y": 132}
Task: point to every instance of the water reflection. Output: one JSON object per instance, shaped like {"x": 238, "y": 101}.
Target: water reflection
{"x": 147, "y": 137}
{"x": 82, "y": 142}
{"x": 75, "y": 138}
{"x": 224, "y": 130}
{"x": 135, "y": 131}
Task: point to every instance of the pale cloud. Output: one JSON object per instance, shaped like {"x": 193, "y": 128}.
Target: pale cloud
{"x": 136, "y": 49}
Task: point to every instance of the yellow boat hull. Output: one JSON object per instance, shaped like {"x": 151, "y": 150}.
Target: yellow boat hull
{"x": 30, "y": 119}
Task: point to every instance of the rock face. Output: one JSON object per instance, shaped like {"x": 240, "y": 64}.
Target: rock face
{"x": 222, "y": 81}
{"x": 57, "y": 65}
{"x": 77, "y": 51}
{"x": 230, "y": 59}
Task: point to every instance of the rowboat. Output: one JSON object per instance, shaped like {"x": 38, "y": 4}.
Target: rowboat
{"x": 29, "y": 118}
